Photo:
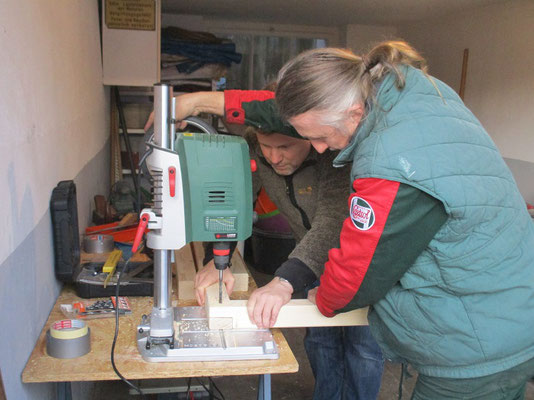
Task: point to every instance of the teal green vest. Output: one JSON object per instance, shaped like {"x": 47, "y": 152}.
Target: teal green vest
{"x": 466, "y": 306}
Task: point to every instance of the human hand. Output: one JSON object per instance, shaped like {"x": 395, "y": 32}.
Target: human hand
{"x": 264, "y": 303}
{"x": 312, "y": 294}
{"x": 150, "y": 122}
{"x": 192, "y": 104}
{"x": 209, "y": 275}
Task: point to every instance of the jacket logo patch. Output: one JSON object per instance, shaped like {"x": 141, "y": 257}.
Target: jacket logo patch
{"x": 361, "y": 214}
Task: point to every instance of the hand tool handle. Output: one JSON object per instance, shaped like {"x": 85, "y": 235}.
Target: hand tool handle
{"x": 143, "y": 222}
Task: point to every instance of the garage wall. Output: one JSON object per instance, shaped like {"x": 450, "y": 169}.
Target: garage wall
{"x": 54, "y": 126}
{"x": 500, "y": 83}
{"x": 360, "y": 38}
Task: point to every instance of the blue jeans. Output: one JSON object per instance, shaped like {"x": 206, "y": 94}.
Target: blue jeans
{"x": 346, "y": 362}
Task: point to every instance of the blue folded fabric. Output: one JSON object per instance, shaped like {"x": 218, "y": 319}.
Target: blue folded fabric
{"x": 200, "y": 54}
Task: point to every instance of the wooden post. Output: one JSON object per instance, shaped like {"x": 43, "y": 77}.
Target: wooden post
{"x": 2, "y": 392}
{"x": 240, "y": 272}
{"x": 464, "y": 73}
{"x": 232, "y": 314}
{"x": 185, "y": 273}
{"x": 116, "y": 165}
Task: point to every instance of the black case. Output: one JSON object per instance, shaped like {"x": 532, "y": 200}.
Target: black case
{"x": 87, "y": 290}
{"x": 64, "y": 211}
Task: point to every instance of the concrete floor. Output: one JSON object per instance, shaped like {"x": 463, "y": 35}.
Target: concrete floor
{"x": 297, "y": 386}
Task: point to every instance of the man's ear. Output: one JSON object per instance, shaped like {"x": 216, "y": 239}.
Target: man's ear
{"x": 355, "y": 114}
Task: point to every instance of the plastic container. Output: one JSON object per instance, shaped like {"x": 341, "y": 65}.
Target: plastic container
{"x": 119, "y": 234}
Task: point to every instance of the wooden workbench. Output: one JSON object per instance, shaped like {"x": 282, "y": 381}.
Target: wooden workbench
{"x": 96, "y": 365}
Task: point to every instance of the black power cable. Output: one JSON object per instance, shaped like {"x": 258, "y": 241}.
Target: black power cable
{"x": 212, "y": 395}
{"x": 188, "y": 388}
{"x": 216, "y": 388}
{"x": 136, "y": 388}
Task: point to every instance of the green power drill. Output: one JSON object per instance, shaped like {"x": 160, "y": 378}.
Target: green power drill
{"x": 202, "y": 192}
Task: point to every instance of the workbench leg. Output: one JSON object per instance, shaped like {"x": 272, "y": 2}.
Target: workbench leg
{"x": 63, "y": 391}
{"x": 264, "y": 387}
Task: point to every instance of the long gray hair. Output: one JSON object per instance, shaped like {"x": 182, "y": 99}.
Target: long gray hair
{"x": 331, "y": 80}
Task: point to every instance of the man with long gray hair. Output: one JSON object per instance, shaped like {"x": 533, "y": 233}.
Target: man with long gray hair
{"x": 439, "y": 241}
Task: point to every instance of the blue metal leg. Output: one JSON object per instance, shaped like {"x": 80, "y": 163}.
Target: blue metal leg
{"x": 63, "y": 391}
{"x": 264, "y": 387}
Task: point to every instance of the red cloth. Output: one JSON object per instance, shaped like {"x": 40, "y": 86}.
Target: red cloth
{"x": 233, "y": 99}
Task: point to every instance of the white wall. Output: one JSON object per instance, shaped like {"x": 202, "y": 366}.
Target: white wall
{"x": 500, "y": 82}
{"x": 54, "y": 126}
{"x": 359, "y": 38}
{"x": 52, "y": 104}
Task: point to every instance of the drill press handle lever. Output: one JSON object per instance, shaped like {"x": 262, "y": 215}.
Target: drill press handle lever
{"x": 147, "y": 216}
{"x": 143, "y": 222}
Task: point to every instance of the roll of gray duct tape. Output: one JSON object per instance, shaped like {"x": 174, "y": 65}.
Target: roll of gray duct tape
{"x": 68, "y": 339}
{"x": 98, "y": 243}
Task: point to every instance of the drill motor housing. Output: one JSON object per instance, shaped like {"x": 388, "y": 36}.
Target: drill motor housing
{"x": 217, "y": 185}
{"x": 202, "y": 191}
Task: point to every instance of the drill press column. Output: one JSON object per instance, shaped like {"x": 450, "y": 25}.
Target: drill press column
{"x": 162, "y": 316}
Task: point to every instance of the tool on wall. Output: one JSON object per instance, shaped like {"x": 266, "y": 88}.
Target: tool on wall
{"x": 202, "y": 192}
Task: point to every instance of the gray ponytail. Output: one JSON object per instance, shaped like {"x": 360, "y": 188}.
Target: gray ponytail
{"x": 331, "y": 80}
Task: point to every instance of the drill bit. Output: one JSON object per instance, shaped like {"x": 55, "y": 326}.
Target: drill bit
{"x": 220, "y": 285}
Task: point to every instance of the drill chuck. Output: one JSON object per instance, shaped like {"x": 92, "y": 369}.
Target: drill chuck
{"x": 221, "y": 255}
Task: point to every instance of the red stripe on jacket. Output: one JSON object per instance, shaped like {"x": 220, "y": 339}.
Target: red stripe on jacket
{"x": 346, "y": 267}
{"x": 233, "y": 99}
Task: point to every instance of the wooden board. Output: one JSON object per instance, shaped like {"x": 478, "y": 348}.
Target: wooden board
{"x": 185, "y": 273}
{"x": 198, "y": 254}
{"x": 212, "y": 298}
{"x": 295, "y": 314}
{"x": 240, "y": 272}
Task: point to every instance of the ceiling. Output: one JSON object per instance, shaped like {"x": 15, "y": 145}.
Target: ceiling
{"x": 324, "y": 12}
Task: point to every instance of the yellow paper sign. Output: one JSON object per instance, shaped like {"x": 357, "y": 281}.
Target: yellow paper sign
{"x": 131, "y": 14}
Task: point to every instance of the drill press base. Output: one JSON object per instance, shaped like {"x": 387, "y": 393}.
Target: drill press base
{"x": 194, "y": 341}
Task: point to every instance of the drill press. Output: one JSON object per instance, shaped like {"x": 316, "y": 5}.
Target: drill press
{"x": 202, "y": 191}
